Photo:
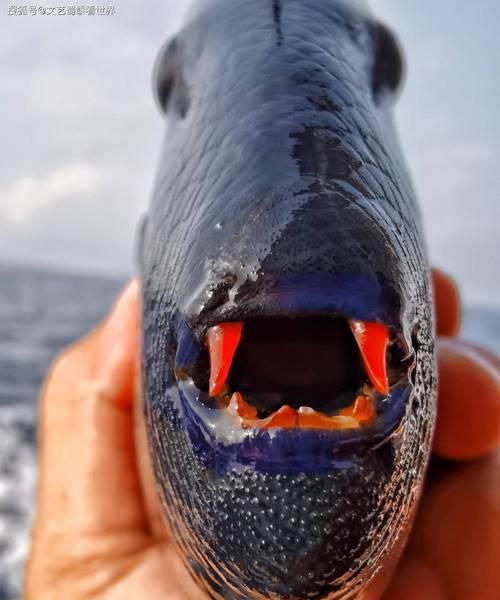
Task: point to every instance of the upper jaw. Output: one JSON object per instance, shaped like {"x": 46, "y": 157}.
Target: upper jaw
{"x": 366, "y": 296}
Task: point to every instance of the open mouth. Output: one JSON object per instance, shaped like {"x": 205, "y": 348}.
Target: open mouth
{"x": 311, "y": 372}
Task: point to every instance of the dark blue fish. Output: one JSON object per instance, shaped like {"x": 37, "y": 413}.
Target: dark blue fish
{"x": 289, "y": 374}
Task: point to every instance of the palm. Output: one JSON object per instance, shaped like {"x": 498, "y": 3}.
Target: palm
{"x": 99, "y": 532}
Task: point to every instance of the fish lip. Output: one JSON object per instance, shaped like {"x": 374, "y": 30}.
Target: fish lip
{"x": 365, "y": 296}
{"x": 218, "y": 432}
{"x": 289, "y": 452}
{"x": 390, "y": 412}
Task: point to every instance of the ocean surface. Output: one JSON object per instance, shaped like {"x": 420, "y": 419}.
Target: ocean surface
{"x": 40, "y": 313}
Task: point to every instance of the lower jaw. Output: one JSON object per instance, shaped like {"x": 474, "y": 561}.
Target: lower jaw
{"x": 360, "y": 413}
{"x": 223, "y": 446}
{"x": 347, "y": 499}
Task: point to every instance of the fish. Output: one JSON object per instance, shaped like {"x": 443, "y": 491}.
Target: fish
{"x": 288, "y": 360}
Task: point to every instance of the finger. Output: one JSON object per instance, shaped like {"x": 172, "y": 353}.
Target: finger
{"x": 457, "y": 531}
{"x": 447, "y": 303}
{"x": 88, "y": 485}
{"x": 468, "y": 423}
{"x": 415, "y": 581}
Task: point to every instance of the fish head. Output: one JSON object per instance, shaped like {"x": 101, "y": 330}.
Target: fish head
{"x": 288, "y": 339}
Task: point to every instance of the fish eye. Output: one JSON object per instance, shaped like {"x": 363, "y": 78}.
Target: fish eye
{"x": 387, "y": 70}
{"x": 169, "y": 85}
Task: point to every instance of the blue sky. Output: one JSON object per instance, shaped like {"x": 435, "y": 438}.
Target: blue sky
{"x": 81, "y": 132}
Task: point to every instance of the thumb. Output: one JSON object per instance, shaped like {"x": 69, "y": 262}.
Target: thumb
{"x": 89, "y": 496}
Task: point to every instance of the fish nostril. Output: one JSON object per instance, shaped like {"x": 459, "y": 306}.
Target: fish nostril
{"x": 387, "y": 70}
{"x": 179, "y": 98}
{"x": 170, "y": 85}
{"x": 164, "y": 73}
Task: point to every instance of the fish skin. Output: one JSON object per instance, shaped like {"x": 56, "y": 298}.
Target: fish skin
{"x": 281, "y": 190}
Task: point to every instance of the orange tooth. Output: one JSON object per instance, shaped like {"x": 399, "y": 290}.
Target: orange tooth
{"x": 361, "y": 410}
{"x": 372, "y": 340}
{"x": 222, "y": 341}
{"x": 311, "y": 419}
{"x": 285, "y": 417}
{"x": 244, "y": 410}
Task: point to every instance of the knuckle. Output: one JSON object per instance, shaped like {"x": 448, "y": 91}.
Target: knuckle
{"x": 76, "y": 359}
{"x": 62, "y": 363}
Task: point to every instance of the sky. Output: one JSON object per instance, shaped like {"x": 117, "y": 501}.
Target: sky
{"x": 80, "y": 132}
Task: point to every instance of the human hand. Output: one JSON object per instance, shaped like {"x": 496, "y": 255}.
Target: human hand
{"x": 98, "y": 530}
{"x": 454, "y": 552}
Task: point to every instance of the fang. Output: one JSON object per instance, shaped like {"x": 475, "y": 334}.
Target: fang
{"x": 222, "y": 341}
{"x": 372, "y": 340}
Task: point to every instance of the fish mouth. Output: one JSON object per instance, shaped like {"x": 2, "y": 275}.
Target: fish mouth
{"x": 323, "y": 372}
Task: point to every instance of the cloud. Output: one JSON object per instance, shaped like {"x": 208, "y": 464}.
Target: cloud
{"x": 456, "y": 186}
{"x": 82, "y": 137}
{"x": 93, "y": 230}
{"x": 27, "y": 195}
{"x": 383, "y": 10}
{"x": 447, "y": 172}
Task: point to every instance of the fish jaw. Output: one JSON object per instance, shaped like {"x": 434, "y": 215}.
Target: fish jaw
{"x": 295, "y": 364}
{"x": 273, "y": 524}
{"x": 293, "y": 535}
{"x": 285, "y": 511}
